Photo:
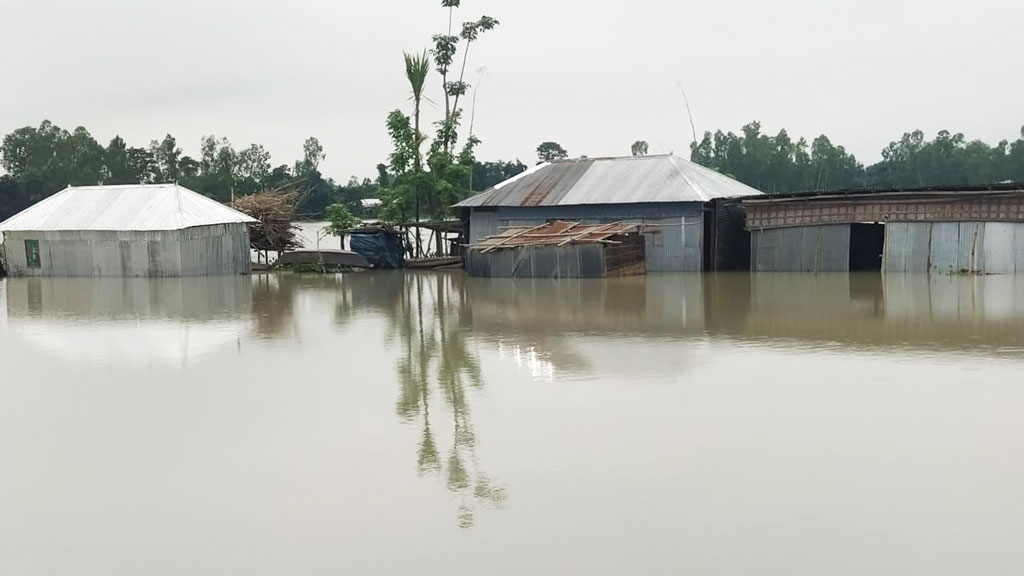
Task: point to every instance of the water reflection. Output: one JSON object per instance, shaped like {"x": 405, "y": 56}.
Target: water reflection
{"x": 275, "y": 297}
{"x": 129, "y": 321}
{"x": 574, "y": 323}
{"x": 424, "y": 349}
{"x": 426, "y": 316}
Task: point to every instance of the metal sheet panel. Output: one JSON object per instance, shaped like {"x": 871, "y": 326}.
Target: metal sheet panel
{"x": 944, "y": 249}
{"x": 999, "y": 247}
{"x": 481, "y": 225}
{"x": 907, "y": 246}
{"x": 1018, "y": 250}
{"x": 572, "y": 261}
{"x": 894, "y": 257}
{"x": 972, "y": 238}
{"x": 627, "y": 180}
{"x": 805, "y": 249}
{"x": 136, "y": 207}
{"x": 833, "y": 248}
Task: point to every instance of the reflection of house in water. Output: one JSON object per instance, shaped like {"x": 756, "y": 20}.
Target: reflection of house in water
{"x": 130, "y": 321}
{"x": 946, "y": 313}
{"x": 581, "y": 326}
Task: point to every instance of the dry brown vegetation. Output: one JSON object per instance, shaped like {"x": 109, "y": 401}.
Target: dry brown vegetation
{"x": 275, "y": 210}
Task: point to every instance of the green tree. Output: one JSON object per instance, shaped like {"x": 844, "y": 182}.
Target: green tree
{"x": 253, "y": 170}
{"x": 218, "y": 169}
{"x": 166, "y": 155}
{"x": 83, "y": 159}
{"x": 550, "y": 151}
{"x": 312, "y": 155}
{"x": 445, "y": 51}
{"x": 488, "y": 174}
{"x": 417, "y": 67}
{"x": 639, "y": 148}
{"x": 340, "y": 220}
{"x": 119, "y": 169}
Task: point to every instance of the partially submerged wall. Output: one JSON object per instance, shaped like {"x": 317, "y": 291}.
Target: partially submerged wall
{"x": 954, "y": 247}
{"x": 590, "y": 260}
{"x": 200, "y": 251}
{"x": 673, "y": 232}
{"x": 215, "y": 250}
{"x": 801, "y": 249}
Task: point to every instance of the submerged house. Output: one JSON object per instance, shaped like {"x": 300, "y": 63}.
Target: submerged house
{"x": 678, "y": 207}
{"x": 945, "y": 230}
{"x": 133, "y": 230}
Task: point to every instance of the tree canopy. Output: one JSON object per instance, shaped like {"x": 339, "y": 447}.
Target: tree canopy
{"x": 550, "y": 151}
{"x": 777, "y": 164}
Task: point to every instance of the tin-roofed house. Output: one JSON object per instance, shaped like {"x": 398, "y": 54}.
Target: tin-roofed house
{"x": 134, "y": 230}
{"x": 681, "y": 208}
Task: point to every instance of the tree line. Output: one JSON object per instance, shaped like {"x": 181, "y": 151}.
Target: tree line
{"x": 41, "y": 161}
{"x": 778, "y": 164}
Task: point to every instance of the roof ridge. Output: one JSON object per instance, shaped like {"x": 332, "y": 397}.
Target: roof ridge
{"x": 696, "y": 187}
{"x": 177, "y": 199}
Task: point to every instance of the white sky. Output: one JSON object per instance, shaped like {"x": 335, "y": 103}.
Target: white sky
{"x": 591, "y": 74}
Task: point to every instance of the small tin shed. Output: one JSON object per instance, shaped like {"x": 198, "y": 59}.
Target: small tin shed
{"x": 560, "y": 250}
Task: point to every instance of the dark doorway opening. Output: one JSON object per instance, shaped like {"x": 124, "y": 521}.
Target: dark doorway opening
{"x": 867, "y": 243}
{"x": 726, "y": 242}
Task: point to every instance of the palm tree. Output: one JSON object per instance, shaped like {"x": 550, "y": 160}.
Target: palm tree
{"x": 417, "y": 66}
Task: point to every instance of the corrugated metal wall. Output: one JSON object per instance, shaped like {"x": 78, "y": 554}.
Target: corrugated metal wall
{"x": 674, "y": 239}
{"x": 954, "y": 247}
{"x": 203, "y": 251}
{"x": 572, "y": 261}
{"x": 803, "y": 249}
{"x": 97, "y": 254}
{"x": 214, "y": 250}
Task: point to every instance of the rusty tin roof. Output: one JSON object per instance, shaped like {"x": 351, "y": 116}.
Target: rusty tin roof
{"x": 627, "y": 180}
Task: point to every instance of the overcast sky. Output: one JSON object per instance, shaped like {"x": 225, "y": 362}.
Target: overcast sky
{"x": 591, "y": 74}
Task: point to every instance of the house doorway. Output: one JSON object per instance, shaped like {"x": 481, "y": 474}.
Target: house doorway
{"x": 867, "y": 244}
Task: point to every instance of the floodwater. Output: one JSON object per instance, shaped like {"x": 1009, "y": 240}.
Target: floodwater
{"x": 313, "y": 235}
{"x": 389, "y": 423}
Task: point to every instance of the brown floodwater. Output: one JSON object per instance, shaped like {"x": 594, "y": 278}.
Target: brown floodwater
{"x": 390, "y": 423}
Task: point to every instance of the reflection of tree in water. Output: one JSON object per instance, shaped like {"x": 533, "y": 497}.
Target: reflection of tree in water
{"x": 273, "y": 299}
{"x": 272, "y": 302}
{"x": 425, "y": 314}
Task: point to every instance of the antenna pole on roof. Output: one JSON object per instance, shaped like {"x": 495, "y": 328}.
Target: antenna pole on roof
{"x": 689, "y": 114}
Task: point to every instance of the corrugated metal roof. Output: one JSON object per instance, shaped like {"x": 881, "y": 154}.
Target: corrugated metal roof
{"x": 628, "y": 180}
{"x": 137, "y": 207}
